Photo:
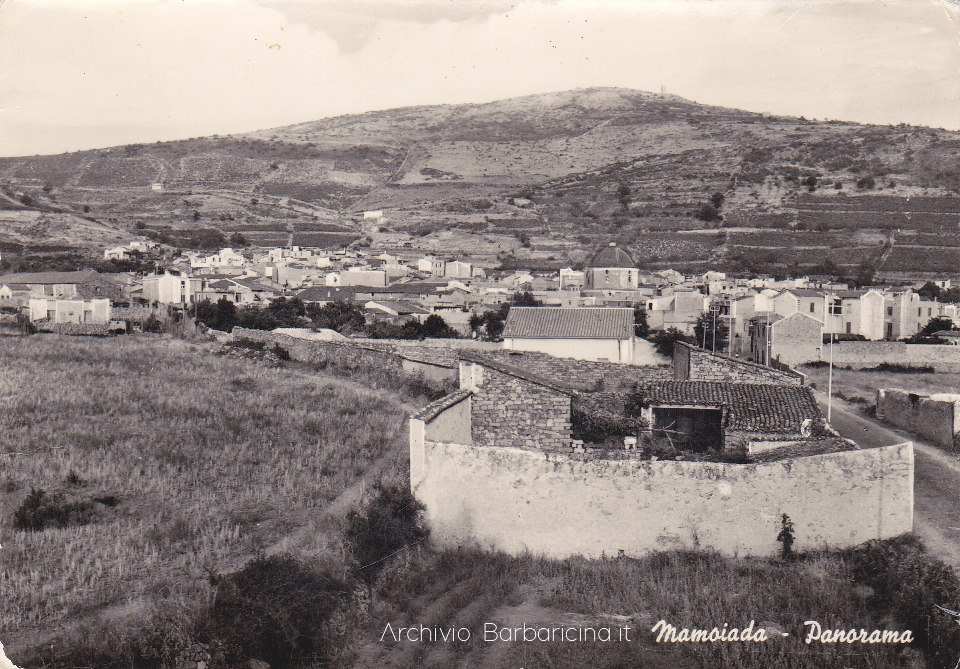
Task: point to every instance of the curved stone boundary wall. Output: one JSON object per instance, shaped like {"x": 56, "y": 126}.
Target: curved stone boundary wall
{"x": 519, "y": 500}
{"x": 353, "y": 354}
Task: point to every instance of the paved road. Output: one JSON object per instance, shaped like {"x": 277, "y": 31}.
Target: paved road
{"x": 936, "y": 487}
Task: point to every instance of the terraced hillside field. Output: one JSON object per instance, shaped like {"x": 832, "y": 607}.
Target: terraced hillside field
{"x": 601, "y": 163}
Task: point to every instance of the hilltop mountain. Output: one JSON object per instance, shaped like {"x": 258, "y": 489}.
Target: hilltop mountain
{"x": 541, "y": 174}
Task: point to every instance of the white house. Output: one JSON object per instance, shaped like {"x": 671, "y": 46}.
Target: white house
{"x": 458, "y": 269}
{"x": 116, "y": 253}
{"x": 60, "y": 310}
{"x": 225, "y": 258}
{"x": 582, "y": 333}
{"x": 171, "y": 288}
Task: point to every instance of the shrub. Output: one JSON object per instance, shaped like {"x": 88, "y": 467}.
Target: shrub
{"x": 910, "y": 584}
{"x": 275, "y": 609}
{"x": 899, "y": 368}
{"x": 248, "y": 344}
{"x": 389, "y": 522}
{"x": 152, "y": 324}
{"x": 40, "y": 510}
{"x": 281, "y": 352}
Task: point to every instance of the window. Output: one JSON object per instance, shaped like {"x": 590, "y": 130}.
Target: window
{"x": 889, "y": 311}
{"x": 848, "y": 327}
{"x": 919, "y": 311}
{"x": 836, "y": 307}
{"x": 812, "y": 307}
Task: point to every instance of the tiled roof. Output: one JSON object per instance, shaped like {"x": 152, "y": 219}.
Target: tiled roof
{"x": 803, "y": 292}
{"x": 49, "y": 277}
{"x": 401, "y": 306}
{"x": 751, "y": 407}
{"x": 569, "y": 322}
{"x": 612, "y": 256}
{"x": 947, "y": 333}
{"x": 434, "y": 409}
{"x": 324, "y": 293}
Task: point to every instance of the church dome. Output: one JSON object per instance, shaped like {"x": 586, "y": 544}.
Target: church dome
{"x": 612, "y": 256}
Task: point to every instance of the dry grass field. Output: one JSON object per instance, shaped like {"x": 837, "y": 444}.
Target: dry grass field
{"x": 861, "y": 386}
{"x": 210, "y": 458}
{"x": 183, "y": 464}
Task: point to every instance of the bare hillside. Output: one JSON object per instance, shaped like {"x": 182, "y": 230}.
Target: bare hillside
{"x": 555, "y": 169}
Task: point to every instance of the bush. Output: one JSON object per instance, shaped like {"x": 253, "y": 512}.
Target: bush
{"x": 389, "y": 522}
{"x": 248, "y": 344}
{"x": 898, "y": 368}
{"x": 281, "y": 352}
{"x": 40, "y": 510}
{"x": 910, "y": 584}
{"x": 275, "y": 609}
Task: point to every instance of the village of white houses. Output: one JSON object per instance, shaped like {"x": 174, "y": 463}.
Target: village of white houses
{"x": 596, "y": 377}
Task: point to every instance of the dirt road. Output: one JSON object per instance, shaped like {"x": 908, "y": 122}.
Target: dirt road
{"x": 936, "y": 487}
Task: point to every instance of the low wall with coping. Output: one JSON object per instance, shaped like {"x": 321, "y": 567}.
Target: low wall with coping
{"x": 943, "y": 357}
{"x": 519, "y": 500}
{"x": 935, "y": 417}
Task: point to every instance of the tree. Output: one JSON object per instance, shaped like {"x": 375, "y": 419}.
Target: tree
{"x": 866, "y": 183}
{"x": 930, "y": 291}
{"x": 237, "y": 239}
{"x": 664, "y": 340}
{"x": 865, "y": 274}
{"x": 196, "y": 215}
{"x": 710, "y": 332}
{"x": 494, "y": 325}
{"x": 717, "y": 199}
{"x": 219, "y": 316}
{"x": 935, "y": 325}
{"x": 435, "y": 327}
{"x": 640, "y": 326}
{"x": 525, "y": 299}
{"x": 623, "y": 195}
{"x": 410, "y": 329}
{"x": 287, "y": 311}
{"x": 341, "y": 316}
{"x": 708, "y": 213}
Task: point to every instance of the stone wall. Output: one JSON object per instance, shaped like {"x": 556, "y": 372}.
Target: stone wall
{"x": 519, "y": 500}
{"x": 323, "y": 352}
{"x": 583, "y": 374}
{"x": 514, "y": 412}
{"x": 936, "y": 417}
{"x": 691, "y": 363}
{"x": 943, "y": 357}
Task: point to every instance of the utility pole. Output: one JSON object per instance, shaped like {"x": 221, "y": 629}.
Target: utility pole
{"x": 830, "y": 382}
{"x": 714, "y": 314}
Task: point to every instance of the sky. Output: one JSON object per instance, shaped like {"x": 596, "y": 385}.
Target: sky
{"x": 78, "y": 74}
